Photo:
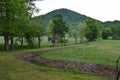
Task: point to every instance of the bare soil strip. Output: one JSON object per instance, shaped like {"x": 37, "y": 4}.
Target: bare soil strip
{"x": 80, "y": 66}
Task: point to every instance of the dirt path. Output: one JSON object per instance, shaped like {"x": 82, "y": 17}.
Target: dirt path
{"x": 82, "y": 67}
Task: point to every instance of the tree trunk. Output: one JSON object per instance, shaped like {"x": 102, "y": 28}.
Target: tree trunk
{"x": 12, "y": 44}
{"x": 33, "y": 42}
{"x": 76, "y": 39}
{"x": 81, "y": 39}
{"x": 64, "y": 41}
{"x": 21, "y": 43}
{"x": 6, "y": 40}
{"x": 39, "y": 41}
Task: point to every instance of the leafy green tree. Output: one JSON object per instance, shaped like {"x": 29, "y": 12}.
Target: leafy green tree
{"x": 50, "y": 28}
{"x": 29, "y": 32}
{"x": 40, "y": 32}
{"x": 93, "y": 29}
{"x": 22, "y": 27}
{"x": 75, "y": 34}
{"x": 11, "y": 11}
{"x": 58, "y": 26}
{"x": 115, "y": 28}
{"x": 81, "y": 31}
{"x": 106, "y": 33}
{"x": 35, "y": 31}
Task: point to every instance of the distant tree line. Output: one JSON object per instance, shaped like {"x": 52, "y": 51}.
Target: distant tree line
{"x": 111, "y": 30}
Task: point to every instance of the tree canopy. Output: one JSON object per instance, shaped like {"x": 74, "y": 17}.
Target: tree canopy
{"x": 58, "y": 26}
{"x": 93, "y": 29}
{"x": 12, "y": 15}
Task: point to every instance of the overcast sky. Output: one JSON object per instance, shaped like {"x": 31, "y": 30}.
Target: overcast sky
{"x": 103, "y": 10}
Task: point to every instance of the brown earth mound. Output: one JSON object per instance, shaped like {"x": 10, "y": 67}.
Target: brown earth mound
{"x": 82, "y": 67}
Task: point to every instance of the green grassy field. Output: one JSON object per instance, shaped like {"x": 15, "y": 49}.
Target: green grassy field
{"x": 103, "y": 52}
{"x": 14, "y": 69}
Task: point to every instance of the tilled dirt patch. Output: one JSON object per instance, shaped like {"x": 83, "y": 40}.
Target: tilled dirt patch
{"x": 82, "y": 67}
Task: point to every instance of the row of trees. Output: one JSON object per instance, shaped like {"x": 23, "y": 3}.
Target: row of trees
{"x": 15, "y": 21}
{"x": 112, "y": 30}
{"x": 92, "y": 30}
{"x": 89, "y": 29}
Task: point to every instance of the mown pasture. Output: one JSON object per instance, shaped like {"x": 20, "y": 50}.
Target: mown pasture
{"x": 104, "y": 52}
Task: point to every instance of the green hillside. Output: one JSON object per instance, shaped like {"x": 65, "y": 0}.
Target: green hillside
{"x": 72, "y": 18}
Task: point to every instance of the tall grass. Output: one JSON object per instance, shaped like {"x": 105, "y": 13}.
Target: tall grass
{"x": 101, "y": 52}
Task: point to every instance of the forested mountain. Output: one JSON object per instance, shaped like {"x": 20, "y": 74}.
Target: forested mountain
{"x": 72, "y": 18}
